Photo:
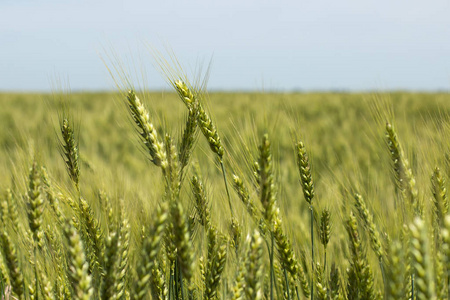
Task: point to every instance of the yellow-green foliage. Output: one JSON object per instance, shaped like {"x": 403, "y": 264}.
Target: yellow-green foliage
{"x": 153, "y": 234}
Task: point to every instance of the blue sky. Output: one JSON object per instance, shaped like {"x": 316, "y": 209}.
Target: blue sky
{"x": 273, "y": 45}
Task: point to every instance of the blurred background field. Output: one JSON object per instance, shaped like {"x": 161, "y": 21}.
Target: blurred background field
{"x": 344, "y": 134}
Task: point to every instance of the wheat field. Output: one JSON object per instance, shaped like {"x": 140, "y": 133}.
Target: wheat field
{"x": 187, "y": 195}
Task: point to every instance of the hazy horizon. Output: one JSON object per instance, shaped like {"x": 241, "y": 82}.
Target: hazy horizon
{"x": 347, "y": 46}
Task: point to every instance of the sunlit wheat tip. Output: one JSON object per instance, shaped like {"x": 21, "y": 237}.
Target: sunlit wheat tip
{"x": 147, "y": 131}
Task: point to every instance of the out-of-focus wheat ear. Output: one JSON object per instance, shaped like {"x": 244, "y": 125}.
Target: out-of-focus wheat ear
{"x": 256, "y": 169}
{"x": 367, "y": 218}
{"x": 201, "y": 202}
{"x": 395, "y": 287}
{"x": 147, "y": 131}
{"x": 188, "y": 139}
{"x": 202, "y": 268}
{"x": 360, "y": 281}
{"x": 51, "y": 195}
{"x": 396, "y": 153}
{"x": 243, "y": 194}
{"x": 66, "y": 199}
{"x": 44, "y": 283}
{"x": 92, "y": 236}
{"x": 439, "y": 195}
{"x": 292, "y": 288}
{"x": 183, "y": 243}
{"x": 439, "y": 275}
{"x": 150, "y": 249}
{"x": 321, "y": 286}
{"x": 211, "y": 247}
{"x": 335, "y": 283}
{"x": 32, "y": 292}
{"x": 253, "y": 275}
{"x": 408, "y": 280}
{"x": 235, "y": 234}
{"x": 305, "y": 173}
{"x": 280, "y": 285}
{"x": 13, "y": 212}
{"x": 55, "y": 245}
{"x": 35, "y": 204}
{"x": 369, "y": 224}
{"x": 111, "y": 218}
{"x": 304, "y": 282}
{"x": 446, "y": 250}
{"x": 422, "y": 263}
{"x": 285, "y": 251}
{"x": 193, "y": 292}
{"x": 267, "y": 185}
{"x": 12, "y": 263}
{"x": 403, "y": 175}
{"x": 109, "y": 279}
{"x": 78, "y": 265}
{"x": 4, "y": 208}
{"x": 239, "y": 283}
{"x": 69, "y": 151}
{"x": 4, "y": 272}
{"x": 325, "y": 227}
{"x": 169, "y": 243}
{"x": 217, "y": 257}
{"x": 172, "y": 167}
{"x": 303, "y": 261}
{"x": 124, "y": 254}
{"x": 158, "y": 283}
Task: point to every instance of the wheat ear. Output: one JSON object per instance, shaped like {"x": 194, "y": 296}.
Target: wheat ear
{"x": 446, "y": 250}
{"x": 439, "y": 195}
{"x": 109, "y": 282}
{"x": 124, "y": 254}
{"x": 375, "y": 241}
{"x": 403, "y": 174}
{"x": 422, "y": 262}
{"x": 360, "y": 277}
{"x": 150, "y": 250}
{"x": 325, "y": 233}
{"x": 78, "y": 266}
{"x": 308, "y": 192}
{"x": 201, "y": 202}
{"x": 146, "y": 130}
{"x": 69, "y": 151}
{"x": 36, "y": 204}
{"x": 217, "y": 256}
{"x": 12, "y": 263}
{"x": 254, "y": 268}
{"x": 395, "y": 273}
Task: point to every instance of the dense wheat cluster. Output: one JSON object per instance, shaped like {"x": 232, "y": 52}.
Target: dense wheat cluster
{"x": 226, "y": 196}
